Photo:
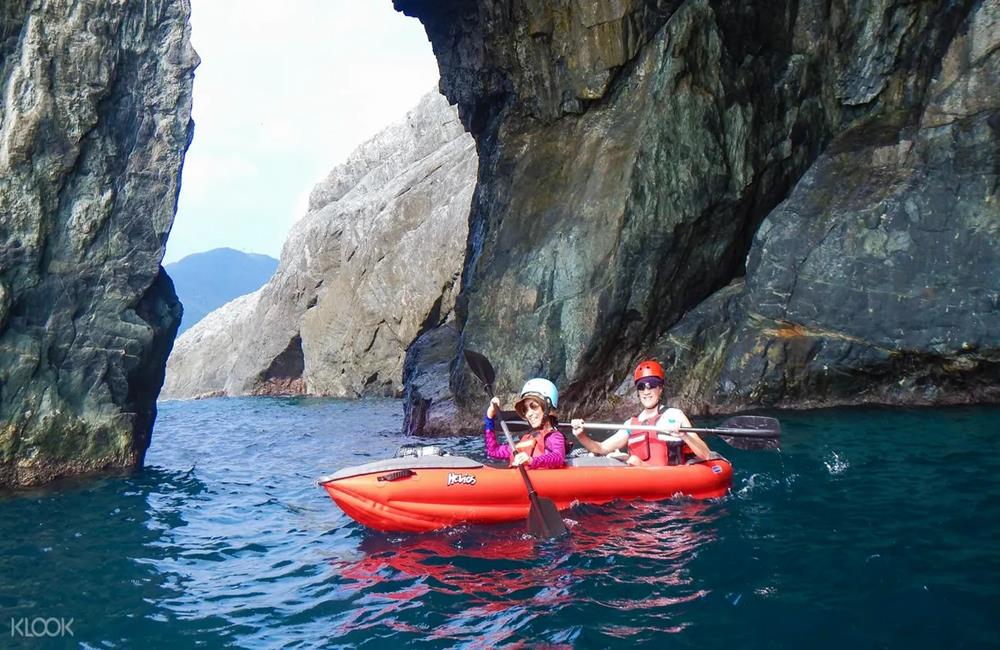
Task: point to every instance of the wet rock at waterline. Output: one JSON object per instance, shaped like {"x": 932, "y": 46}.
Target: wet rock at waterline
{"x": 630, "y": 154}
{"x": 94, "y": 123}
{"x": 374, "y": 262}
{"x": 427, "y": 409}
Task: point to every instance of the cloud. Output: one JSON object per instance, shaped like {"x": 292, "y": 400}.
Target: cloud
{"x": 204, "y": 175}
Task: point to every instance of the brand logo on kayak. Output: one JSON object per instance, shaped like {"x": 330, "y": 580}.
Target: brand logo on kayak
{"x": 716, "y": 469}
{"x": 461, "y": 479}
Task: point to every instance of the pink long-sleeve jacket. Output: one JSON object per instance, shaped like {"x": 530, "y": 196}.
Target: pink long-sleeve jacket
{"x": 553, "y": 458}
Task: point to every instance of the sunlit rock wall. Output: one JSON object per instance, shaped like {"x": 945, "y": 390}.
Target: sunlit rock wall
{"x": 374, "y": 262}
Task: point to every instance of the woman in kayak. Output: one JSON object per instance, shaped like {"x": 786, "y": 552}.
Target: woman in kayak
{"x": 650, "y": 447}
{"x": 543, "y": 447}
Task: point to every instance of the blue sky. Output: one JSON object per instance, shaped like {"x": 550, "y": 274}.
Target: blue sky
{"x": 284, "y": 92}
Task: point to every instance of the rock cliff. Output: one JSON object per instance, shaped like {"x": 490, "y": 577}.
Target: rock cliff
{"x": 374, "y": 262}
{"x": 94, "y": 122}
{"x": 878, "y": 279}
{"x": 794, "y": 203}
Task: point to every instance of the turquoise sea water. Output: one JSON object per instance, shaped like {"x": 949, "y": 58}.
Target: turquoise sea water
{"x": 871, "y": 528}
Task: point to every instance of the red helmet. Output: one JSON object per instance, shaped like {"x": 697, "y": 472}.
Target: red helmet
{"x": 648, "y": 369}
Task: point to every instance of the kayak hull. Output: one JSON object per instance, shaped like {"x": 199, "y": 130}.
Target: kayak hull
{"x": 423, "y": 494}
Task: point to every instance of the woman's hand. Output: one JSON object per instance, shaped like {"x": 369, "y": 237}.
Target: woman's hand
{"x": 577, "y": 425}
{"x": 520, "y": 459}
{"x": 491, "y": 410}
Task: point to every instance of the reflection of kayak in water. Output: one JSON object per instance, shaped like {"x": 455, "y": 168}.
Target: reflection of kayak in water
{"x": 500, "y": 567}
{"x": 430, "y": 492}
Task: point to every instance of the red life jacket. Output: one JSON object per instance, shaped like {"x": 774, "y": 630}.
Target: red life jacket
{"x": 538, "y": 438}
{"x": 656, "y": 447}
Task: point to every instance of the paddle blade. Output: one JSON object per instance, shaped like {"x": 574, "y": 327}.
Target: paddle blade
{"x": 761, "y": 432}
{"x": 481, "y": 368}
{"x": 544, "y": 519}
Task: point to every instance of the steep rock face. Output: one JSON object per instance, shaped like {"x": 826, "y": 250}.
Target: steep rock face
{"x": 374, "y": 262}
{"x": 630, "y": 150}
{"x": 428, "y": 408}
{"x": 878, "y": 280}
{"x": 94, "y": 122}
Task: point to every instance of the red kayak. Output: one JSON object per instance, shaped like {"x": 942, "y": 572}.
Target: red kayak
{"x": 424, "y": 493}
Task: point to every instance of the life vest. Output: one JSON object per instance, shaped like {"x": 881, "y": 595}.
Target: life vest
{"x": 656, "y": 447}
{"x": 538, "y": 438}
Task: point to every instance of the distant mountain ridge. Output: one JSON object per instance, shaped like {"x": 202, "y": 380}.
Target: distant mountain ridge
{"x": 206, "y": 281}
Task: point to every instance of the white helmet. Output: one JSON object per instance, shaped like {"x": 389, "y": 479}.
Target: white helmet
{"x": 539, "y": 388}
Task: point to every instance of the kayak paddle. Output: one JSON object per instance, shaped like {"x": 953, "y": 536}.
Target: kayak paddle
{"x": 750, "y": 432}
{"x": 543, "y": 516}
{"x": 742, "y": 431}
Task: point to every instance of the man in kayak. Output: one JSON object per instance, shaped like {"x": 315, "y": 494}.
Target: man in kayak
{"x": 544, "y": 447}
{"x": 650, "y": 447}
